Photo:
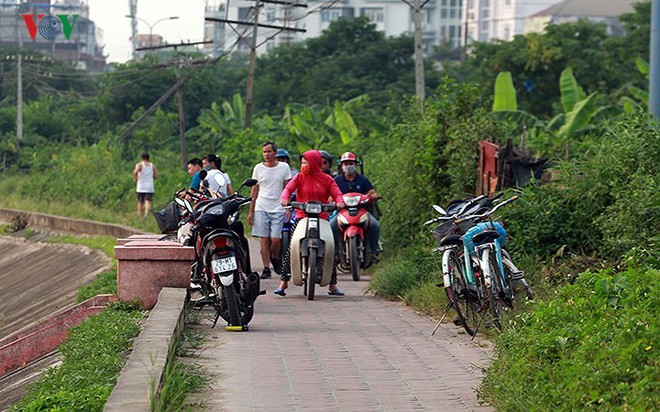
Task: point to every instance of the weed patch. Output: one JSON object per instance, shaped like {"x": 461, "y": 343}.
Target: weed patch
{"x": 591, "y": 347}
{"x": 105, "y": 283}
{"x": 182, "y": 375}
{"x": 93, "y": 356}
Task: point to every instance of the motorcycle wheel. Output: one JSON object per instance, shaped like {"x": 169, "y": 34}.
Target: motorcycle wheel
{"x": 232, "y": 306}
{"x": 353, "y": 257}
{"x": 311, "y": 276}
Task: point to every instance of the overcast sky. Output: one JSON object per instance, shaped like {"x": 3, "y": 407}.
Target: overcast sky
{"x": 109, "y": 15}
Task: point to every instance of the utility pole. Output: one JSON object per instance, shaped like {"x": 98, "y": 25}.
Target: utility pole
{"x": 132, "y": 7}
{"x": 182, "y": 123}
{"x": 19, "y": 92}
{"x": 251, "y": 64}
{"x": 249, "y": 102}
{"x": 419, "y": 54}
{"x": 180, "y": 79}
{"x": 654, "y": 77}
{"x": 416, "y": 7}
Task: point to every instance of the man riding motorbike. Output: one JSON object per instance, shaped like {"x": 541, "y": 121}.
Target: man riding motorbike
{"x": 349, "y": 180}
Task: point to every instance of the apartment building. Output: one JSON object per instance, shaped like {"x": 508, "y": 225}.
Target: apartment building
{"x": 486, "y": 20}
{"x": 441, "y": 21}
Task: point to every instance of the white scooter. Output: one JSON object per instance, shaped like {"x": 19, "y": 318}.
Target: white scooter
{"x": 312, "y": 248}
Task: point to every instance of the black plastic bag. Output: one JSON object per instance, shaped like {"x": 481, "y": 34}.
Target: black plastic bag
{"x": 168, "y": 217}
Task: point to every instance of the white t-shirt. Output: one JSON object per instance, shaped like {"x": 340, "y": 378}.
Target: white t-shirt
{"x": 271, "y": 184}
{"x": 213, "y": 184}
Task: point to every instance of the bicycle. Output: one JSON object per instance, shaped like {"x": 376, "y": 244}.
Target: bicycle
{"x": 465, "y": 291}
{"x": 478, "y": 274}
{"x": 485, "y": 240}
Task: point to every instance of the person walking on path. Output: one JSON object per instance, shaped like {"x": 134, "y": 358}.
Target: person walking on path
{"x": 266, "y": 214}
{"x": 144, "y": 175}
{"x": 310, "y": 184}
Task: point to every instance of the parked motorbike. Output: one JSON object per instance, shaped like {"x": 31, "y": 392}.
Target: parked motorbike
{"x": 353, "y": 222}
{"x": 312, "y": 248}
{"x": 221, "y": 271}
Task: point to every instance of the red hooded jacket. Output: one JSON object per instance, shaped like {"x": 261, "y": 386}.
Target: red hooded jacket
{"x": 313, "y": 186}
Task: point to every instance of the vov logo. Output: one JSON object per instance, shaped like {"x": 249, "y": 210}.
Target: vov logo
{"x": 50, "y": 27}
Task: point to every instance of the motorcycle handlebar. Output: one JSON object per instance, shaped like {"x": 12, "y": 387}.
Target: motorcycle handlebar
{"x": 489, "y": 212}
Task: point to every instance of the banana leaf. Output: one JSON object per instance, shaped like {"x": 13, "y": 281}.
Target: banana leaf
{"x": 505, "y": 93}
{"x": 571, "y": 91}
{"x": 579, "y": 117}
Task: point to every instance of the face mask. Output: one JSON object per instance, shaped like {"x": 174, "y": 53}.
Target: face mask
{"x": 350, "y": 170}
{"x": 207, "y": 167}
{"x": 305, "y": 169}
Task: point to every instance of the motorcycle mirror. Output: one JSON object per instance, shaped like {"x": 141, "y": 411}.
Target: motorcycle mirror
{"x": 249, "y": 182}
{"x": 439, "y": 209}
{"x": 220, "y": 179}
{"x": 184, "y": 203}
{"x": 202, "y": 174}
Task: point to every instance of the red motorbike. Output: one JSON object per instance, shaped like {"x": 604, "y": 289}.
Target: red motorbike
{"x": 353, "y": 222}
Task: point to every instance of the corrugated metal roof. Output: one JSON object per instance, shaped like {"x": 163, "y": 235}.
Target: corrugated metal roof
{"x": 589, "y": 8}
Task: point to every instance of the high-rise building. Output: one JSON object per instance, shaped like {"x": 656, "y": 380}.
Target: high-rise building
{"x": 441, "y": 21}
{"x": 63, "y": 31}
{"x": 486, "y": 20}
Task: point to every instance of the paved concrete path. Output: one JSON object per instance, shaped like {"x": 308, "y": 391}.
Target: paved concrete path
{"x": 356, "y": 352}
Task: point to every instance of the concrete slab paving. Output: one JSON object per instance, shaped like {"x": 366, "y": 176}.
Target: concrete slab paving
{"x": 356, "y": 352}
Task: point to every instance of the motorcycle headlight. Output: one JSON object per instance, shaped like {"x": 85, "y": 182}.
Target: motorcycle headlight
{"x": 313, "y": 208}
{"x": 364, "y": 219}
{"x": 231, "y": 219}
{"x": 351, "y": 201}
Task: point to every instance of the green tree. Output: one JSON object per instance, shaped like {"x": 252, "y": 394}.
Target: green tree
{"x": 348, "y": 59}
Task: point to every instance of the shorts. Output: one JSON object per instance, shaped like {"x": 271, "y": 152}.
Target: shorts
{"x": 268, "y": 224}
{"x": 145, "y": 197}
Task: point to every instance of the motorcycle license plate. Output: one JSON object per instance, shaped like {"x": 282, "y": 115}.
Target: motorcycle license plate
{"x": 224, "y": 265}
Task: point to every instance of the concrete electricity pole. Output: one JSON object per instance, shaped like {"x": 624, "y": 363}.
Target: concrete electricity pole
{"x": 251, "y": 64}
{"x": 654, "y": 78}
{"x": 249, "y": 103}
{"x": 416, "y": 7}
{"x": 19, "y": 92}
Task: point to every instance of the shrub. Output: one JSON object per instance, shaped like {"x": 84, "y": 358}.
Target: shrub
{"x": 591, "y": 347}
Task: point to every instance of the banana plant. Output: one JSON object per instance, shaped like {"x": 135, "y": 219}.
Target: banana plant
{"x": 579, "y": 109}
{"x": 640, "y": 98}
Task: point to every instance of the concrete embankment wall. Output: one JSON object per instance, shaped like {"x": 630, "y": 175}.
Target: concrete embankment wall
{"x": 65, "y": 224}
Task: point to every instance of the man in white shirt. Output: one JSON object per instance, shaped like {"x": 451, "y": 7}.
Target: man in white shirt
{"x": 266, "y": 214}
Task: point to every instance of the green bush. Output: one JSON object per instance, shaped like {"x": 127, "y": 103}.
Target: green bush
{"x": 593, "y": 346}
{"x": 93, "y": 355}
{"x": 403, "y": 273}
{"x": 605, "y": 202}
{"x": 430, "y": 157}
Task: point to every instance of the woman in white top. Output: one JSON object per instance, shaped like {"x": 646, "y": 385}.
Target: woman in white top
{"x": 144, "y": 174}
{"x": 218, "y": 181}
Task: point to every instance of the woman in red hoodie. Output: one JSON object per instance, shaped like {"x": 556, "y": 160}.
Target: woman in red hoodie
{"x": 310, "y": 184}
